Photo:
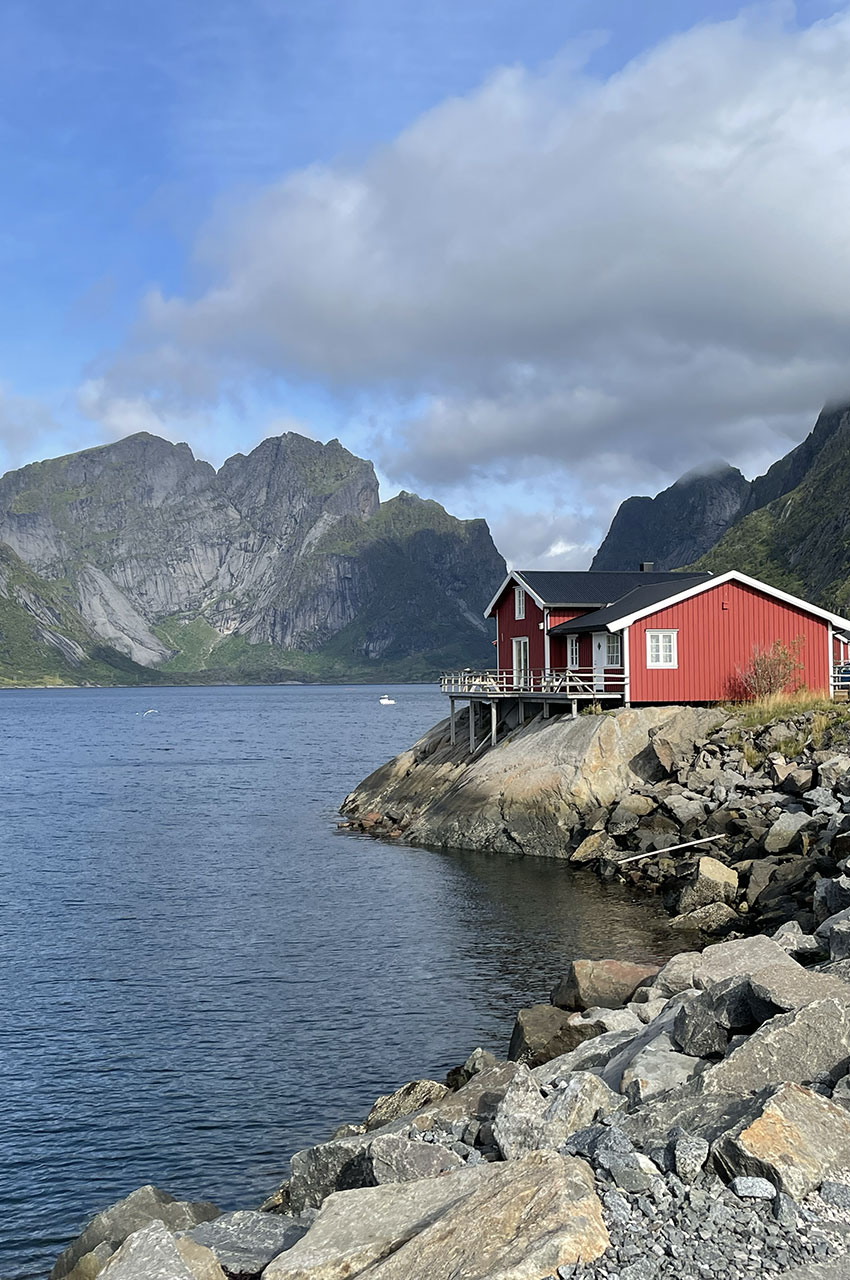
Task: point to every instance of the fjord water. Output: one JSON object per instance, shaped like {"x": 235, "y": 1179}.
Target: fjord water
{"x": 199, "y": 974}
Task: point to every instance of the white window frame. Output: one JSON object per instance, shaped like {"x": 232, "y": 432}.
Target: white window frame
{"x": 614, "y": 650}
{"x": 573, "y": 653}
{"x": 674, "y": 649}
{"x": 519, "y": 603}
{"x": 521, "y": 652}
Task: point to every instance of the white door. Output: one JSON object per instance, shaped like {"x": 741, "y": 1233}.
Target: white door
{"x": 600, "y": 658}
{"x": 521, "y": 662}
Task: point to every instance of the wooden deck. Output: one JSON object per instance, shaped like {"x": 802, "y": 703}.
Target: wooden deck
{"x": 508, "y": 695}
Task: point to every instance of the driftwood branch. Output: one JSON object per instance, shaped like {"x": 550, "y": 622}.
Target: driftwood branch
{"x": 675, "y": 848}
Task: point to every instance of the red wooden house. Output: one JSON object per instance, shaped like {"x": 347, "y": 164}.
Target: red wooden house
{"x": 644, "y": 637}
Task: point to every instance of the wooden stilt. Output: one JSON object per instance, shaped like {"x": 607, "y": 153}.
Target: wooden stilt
{"x": 472, "y": 706}
{"x": 494, "y": 723}
{"x": 453, "y": 734}
{"x": 545, "y": 710}
{"x": 575, "y": 707}
{"x": 520, "y": 711}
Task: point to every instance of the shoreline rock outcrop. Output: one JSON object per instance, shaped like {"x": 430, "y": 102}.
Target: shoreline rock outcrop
{"x": 739, "y": 827}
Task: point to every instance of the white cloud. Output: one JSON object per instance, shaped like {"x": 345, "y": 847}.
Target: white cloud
{"x": 568, "y": 274}
{"x": 26, "y": 426}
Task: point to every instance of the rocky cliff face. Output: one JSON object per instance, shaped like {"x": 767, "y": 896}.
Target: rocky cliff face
{"x": 44, "y": 637}
{"x": 287, "y": 550}
{"x": 790, "y": 526}
{"x": 679, "y": 525}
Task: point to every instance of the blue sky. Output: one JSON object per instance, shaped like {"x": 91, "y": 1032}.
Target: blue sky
{"x": 404, "y": 225}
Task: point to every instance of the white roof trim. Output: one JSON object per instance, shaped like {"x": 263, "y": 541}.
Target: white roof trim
{"x": 513, "y": 576}
{"x": 731, "y": 576}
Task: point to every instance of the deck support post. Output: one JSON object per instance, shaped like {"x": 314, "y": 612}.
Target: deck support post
{"x": 494, "y": 722}
{"x": 452, "y": 729}
{"x": 520, "y": 711}
{"x": 545, "y": 710}
{"x": 574, "y": 706}
{"x": 472, "y": 707}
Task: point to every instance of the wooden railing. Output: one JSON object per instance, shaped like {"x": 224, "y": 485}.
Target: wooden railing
{"x": 841, "y": 677}
{"x": 579, "y": 682}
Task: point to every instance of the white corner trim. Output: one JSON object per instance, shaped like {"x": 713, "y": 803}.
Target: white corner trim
{"x": 733, "y": 575}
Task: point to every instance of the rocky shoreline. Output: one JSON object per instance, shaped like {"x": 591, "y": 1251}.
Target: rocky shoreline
{"x": 691, "y": 1120}
{"x": 738, "y": 827}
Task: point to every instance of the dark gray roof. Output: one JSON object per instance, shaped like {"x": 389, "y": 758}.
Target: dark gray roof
{"x": 591, "y": 589}
{"x": 639, "y": 598}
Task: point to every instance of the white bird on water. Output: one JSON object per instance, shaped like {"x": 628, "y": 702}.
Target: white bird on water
{"x": 386, "y": 701}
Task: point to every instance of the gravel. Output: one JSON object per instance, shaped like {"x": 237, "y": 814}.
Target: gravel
{"x": 704, "y": 1231}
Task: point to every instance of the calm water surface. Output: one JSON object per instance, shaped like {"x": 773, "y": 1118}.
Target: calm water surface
{"x": 199, "y": 974}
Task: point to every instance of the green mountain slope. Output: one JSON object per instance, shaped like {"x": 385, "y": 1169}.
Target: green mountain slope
{"x": 789, "y": 527}
{"x": 800, "y": 541}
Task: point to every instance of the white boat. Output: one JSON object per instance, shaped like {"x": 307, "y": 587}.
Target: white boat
{"x": 386, "y": 701}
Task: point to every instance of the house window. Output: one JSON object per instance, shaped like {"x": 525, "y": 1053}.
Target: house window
{"x": 572, "y": 652}
{"x": 662, "y": 649}
{"x": 614, "y": 655}
{"x": 519, "y": 603}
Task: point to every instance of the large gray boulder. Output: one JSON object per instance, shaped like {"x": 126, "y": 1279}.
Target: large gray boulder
{"x": 830, "y": 897}
{"x": 244, "y": 1242}
{"x": 786, "y": 831}
{"x": 716, "y": 918}
{"x": 518, "y": 1123}
{"x": 676, "y": 975}
{"x": 649, "y": 1051}
{"x": 698, "y": 1031}
{"x": 808, "y": 1044}
{"x": 391, "y": 1157}
{"x": 514, "y": 1221}
{"x": 590, "y": 1056}
{"x": 791, "y": 1136}
{"x": 540, "y": 1033}
{"x": 404, "y": 1101}
{"x": 688, "y": 1107}
{"x": 657, "y": 1068}
{"x": 153, "y": 1253}
{"x": 674, "y": 744}
{"x": 739, "y": 957}
{"x": 526, "y": 1121}
{"x": 112, "y": 1226}
{"x": 347, "y": 1163}
{"x": 607, "y": 984}
{"x": 330, "y": 1166}
{"x": 711, "y": 881}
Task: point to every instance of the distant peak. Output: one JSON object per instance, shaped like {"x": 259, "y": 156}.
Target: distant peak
{"x": 714, "y": 469}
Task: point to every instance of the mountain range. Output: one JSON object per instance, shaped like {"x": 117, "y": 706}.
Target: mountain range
{"x": 137, "y": 562}
{"x": 789, "y": 527}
